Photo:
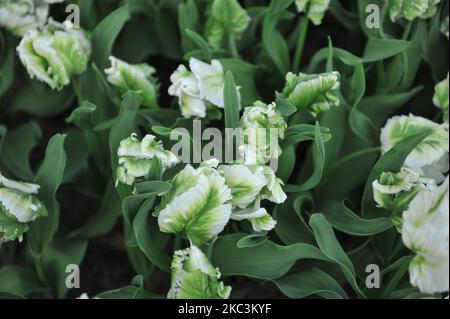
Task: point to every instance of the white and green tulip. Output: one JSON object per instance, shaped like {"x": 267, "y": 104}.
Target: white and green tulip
{"x": 197, "y": 203}
{"x": 135, "y": 158}
{"x": 194, "y": 277}
{"x": 425, "y": 231}
{"x": 429, "y": 152}
{"x": 249, "y": 185}
{"x": 263, "y": 126}
{"x": 226, "y": 18}
{"x": 20, "y": 16}
{"x": 55, "y": 54}
{"x": 412, "y": 9}
{"x": 18, "y": 207}
{"x": 134, "y": 77}
{"x": 312, "y": 92}
{"x": 440, "y": 98}
{"x": 314, "y": 9}
{"x": 394, "y": 191}
{"x": 199, "y": 91}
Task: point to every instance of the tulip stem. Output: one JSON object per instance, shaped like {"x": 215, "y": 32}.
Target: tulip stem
{"x": 232, "y": 46}
{"x": 352, "y": 156}
{"x": 407, "y": 30}
{"x": 302, "y": 30}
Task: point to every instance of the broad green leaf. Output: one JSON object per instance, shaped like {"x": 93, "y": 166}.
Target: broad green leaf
{"x": 274, "y": 43}
{"x": 105, "y": 33}
{"x": 103, "y": 221}
{"x": 39, "y": 100}
{"x": 148, "y": 236}
{"x": 265, "y": 261}
{"x": 345, "y": 220}
{"x": 244, "y": 73}
{"x": 134, "y": 291}
{"x": 310, "y": 282}
{"x": 56, "y": 258}
{"x": 49, "y": 177}
{"x": 231, "y": 101}
{"x": 201, "y": 43}
{"x": 19, "y": 281}
{"x": 188, "y": 18}
{"x": 291, "y": 226}
{"x": 318, "y": 156}
{"x": 380, "y": 49}
{"x": 379, "y": 107}
{"x": 286, "y": 163}
{"x": 17, "y": 146}
{"x": 252, "y": 240}
{"x": 330, "y": 247}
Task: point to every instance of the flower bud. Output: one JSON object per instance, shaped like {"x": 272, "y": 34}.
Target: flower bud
{"x": 394, "y": 191}
{"x": 315, "y": 9}
{"x": 20, "y": 16}
{"x": 199, "y": 91}
{"x": 55, "y": 54}
{"x": 135, "y": 158}
{"x": 312, "y": 92}
{"x": 18, "y": 207}
{"x": 194, "y": 277}
{"x": 412, "y": 9}
{"x": 137, "y": 77}
{"x": 263, "y": 126}
{"x": 227, "y": 17}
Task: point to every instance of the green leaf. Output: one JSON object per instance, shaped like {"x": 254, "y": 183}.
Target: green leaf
{"x": 77, "y": 157}
{"x": 380, "y": 49}
{"x": 291, "y": 226}
{"x": 330, "y": 247}
{"x": 17, "y": 146}
{"x": 265, "y": 261}
{"x": 57, "y": 257}
{"x": 201, "y": 43}
{"x": 252, "y": 240}
{"x": 310, "y": 282}
{"x": 273, "y": 41}
{"x": 318, "y": 152}
{"x": 40, "y": 101}
{"x": 105, "y": 33}
{"x": 286, "y": 163}
{"x": 231, "y": 101}
{"x": 285, "y": 107}
{"x": 379, "y": 107}
{"x": 345, "y": 220}
{"x": 188, "y": 18}
{"x": 245, "y": 78}
{"x": 148, "y": 236}
{"x": 19, "y": 281}
{"x": 135, "y": 291}
{"x": 103, "y": 221}
{"x": 49, "y": 177}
